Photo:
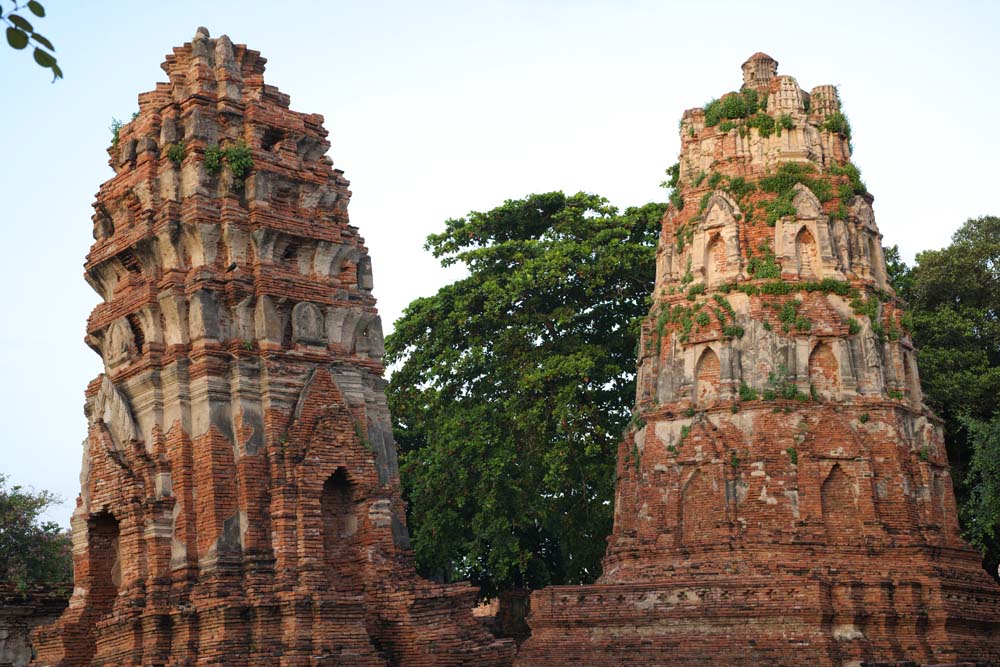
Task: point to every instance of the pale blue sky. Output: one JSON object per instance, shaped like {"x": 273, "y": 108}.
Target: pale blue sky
{"x": 437, "y": 108}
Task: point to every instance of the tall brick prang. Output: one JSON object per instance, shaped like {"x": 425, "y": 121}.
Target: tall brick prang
{"x": 240, "y": 500}
{"x": 783, "y": 494}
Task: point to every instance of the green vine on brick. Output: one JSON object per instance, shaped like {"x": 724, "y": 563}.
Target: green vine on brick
{"x": 782, "y": 183}
{"x": 764, "y": 266}
{"x": 793, "y": 455}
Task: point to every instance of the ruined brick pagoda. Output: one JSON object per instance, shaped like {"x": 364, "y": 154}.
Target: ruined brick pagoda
{"x": 784, "y": 496}
{"x": 240, "y": 500}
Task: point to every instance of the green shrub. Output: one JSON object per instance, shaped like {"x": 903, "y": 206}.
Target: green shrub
{"x": 239, "y": 159}
{"x": 839, "y": 124}
{"x": 677, "y": 200}
{"x": 747, "y": 393}
{"x": 764, "y": 124}
{"x": 213, "y": 159}
{"x": 176, "y": 152}
{"x": 674, "y": 173}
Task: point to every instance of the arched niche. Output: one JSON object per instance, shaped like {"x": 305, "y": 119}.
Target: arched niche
{"x": 911, "y": 379}
{"x": 338, "y": 506}
{"x": 700, "y": 508}
{"x": 876, "y": 263}
{"x": 715, "y": 260}
{"x": 715, "y": 247}
{"x": 824, "y": 371}
{"x": 706, "y": 377}
{"x": 806, "y": 204}
{"x": 368, "y": 337}
{"x": 365, "y": 280}
{"x": 806, "y": 255}
{"x": 308, "y": 324}
{"x": 838, "y": 497}
{"x": 104, "y": 566}
{"x": 119, "y": 344}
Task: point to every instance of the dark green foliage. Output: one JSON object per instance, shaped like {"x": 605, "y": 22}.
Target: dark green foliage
{"x": 954, "y": 294}
{"x": 677, "y": 200}
{"x": 793, "y": 455}
{"x": 864, "y": 418}
{"x": 213, "y": 160}
{"x": 785, "y": 122}
{"x": 696, "y": 181}
{"x": 726, "y": 126}
{"x": 854, "y": 184}
{"x": 731, "y": 107}
{"x": 714, "y": 179}
{"x": 31, "y": 552}
{"x": 839, "y": 124}
{"x": 747, "y": 393}
{"x": 674, "y": 174}
{"x": 764, "y": 124}
{"x": 695, "y": 290}
{"x": 780, "y": 385}
{"x": 237, "y": 157}
{"x": 240, "y": 162}
{"x": 733, "y": 331}
{"x": 176, "y": 152}
{"x": 782, "y": 182}
{"x": 980, "y": 512}
{"x": 20, "y": 33}
{"x": 790, "y": 318}
{"x": 765, "y": 265}
{"x": 511, "y": 388}
{"x": 739, "y": 187}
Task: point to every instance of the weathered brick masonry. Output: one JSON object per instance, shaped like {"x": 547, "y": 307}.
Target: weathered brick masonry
{"x": 240, "y": 500}
{"x": 784, "y": 496}
{"x": 22, "y": 611}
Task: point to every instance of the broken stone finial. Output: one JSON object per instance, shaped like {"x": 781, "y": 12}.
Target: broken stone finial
{"x": 758, "y": 71}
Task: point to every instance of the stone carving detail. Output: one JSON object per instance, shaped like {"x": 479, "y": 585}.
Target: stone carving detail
{"x": 112, "y": 408}
{"x": 119, "y": 346}
{"x": 308, "y": 325}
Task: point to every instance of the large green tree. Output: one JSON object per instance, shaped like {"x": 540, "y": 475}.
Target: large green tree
{"x": 513, "y": 386}
{"x": 954, "y": 294}
{"x": 31, "y": 551}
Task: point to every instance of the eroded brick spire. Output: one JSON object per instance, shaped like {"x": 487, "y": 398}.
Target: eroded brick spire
{"x": 783, "y": 494}
{"x": 240, "y": 499}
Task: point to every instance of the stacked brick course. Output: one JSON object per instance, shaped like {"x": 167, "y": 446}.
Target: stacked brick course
{"x": 240, "y": 500}
{"x": 784, "y": 496}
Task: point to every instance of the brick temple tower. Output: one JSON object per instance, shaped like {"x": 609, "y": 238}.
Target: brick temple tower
{"x": 240, "y": 500}
{"x": 783, "y": 496}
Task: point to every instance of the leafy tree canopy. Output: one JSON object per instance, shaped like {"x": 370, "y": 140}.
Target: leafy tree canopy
{"x": 31, "y": 552}
{"x": 514, "y": 384}
{"x": 955, "y": 297}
